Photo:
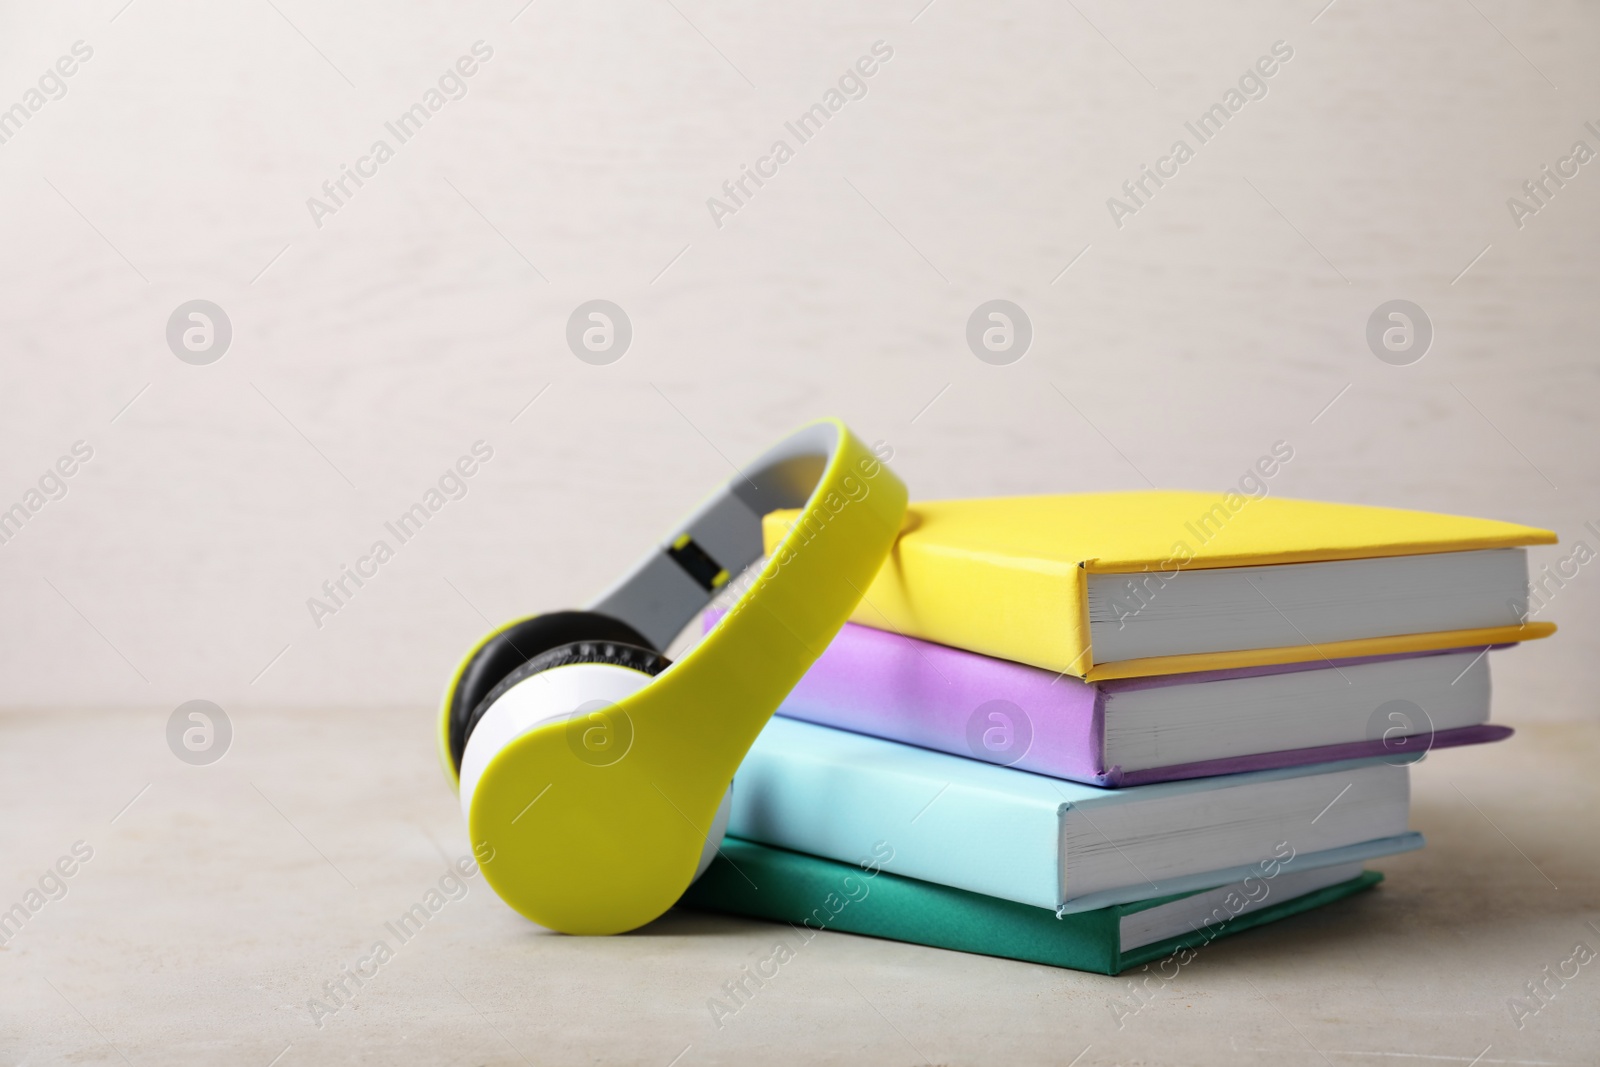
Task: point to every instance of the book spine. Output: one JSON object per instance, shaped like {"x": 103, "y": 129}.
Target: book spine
{"x": 899, "y": 688}
{"x": 1104, "y": 773}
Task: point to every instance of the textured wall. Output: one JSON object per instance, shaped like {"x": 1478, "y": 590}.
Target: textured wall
{"x": 376, "y": 338}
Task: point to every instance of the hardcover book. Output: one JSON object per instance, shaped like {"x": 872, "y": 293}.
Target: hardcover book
{"x": 1140, "y": 730}
{"x": 814, "y": 894}
{"x": 1050, "y": 843}
{"x": 1121, "y": 585}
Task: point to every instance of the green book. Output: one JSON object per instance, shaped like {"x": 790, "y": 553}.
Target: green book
{"x": 820, "y": 894}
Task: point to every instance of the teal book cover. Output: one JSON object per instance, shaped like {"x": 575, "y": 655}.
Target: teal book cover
{"x": 815, "y": 894}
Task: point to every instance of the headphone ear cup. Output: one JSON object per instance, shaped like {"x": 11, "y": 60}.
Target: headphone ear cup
{"x": 631, "y": 657}
{"x": 509, "y": 648}
{"x": 543, "y": 698}
{"x": 617, "y": 653}
{"x": 582, "y": 674}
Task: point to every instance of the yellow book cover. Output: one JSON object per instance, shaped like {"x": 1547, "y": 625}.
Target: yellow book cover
{"x": 1008, "y": 576}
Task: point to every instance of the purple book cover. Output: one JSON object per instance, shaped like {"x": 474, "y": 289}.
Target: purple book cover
{"x": 950, "y": 700}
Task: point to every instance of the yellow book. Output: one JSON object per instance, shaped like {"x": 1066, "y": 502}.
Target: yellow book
{"x": 1167, "y": 582}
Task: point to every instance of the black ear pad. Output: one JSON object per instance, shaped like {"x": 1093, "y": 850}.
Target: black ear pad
{"x": 633, "y": 657}
{"x": 515, "y": 646}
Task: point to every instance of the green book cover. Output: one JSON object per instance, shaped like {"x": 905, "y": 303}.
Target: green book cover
{"x": 821, "y": 894}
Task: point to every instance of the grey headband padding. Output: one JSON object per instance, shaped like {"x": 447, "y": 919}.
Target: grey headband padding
{"x": 661, "y": 595}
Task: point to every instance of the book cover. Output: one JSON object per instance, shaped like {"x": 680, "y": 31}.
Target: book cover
{"x": 814, "y": 894}
{"x": 1006, "y": 576}
{"x": 1000, "y": 832}
{"x": 950, "y": 700}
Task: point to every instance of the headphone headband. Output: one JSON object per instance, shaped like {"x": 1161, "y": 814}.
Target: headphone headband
{"x": 670, "y": 586}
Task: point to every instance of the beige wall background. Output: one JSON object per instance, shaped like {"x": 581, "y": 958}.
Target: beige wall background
{"x": 371, "y": 351}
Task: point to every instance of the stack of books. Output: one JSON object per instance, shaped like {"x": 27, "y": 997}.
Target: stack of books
{"x": 1096, "y": 730}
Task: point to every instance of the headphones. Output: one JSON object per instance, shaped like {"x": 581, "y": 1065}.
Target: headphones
{"x": 594, "y": 773}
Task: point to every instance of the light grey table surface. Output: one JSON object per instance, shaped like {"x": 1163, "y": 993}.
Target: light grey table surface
{"x": 218, "y": 902}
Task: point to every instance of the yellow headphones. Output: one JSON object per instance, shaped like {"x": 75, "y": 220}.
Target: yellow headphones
{"x": 594, "y": 773}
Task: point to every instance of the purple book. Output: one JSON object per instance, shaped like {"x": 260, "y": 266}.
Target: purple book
{"x": 1135, "y": 731}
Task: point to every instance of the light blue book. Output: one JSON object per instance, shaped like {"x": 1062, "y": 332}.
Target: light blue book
{"x": 1052, "y": 843}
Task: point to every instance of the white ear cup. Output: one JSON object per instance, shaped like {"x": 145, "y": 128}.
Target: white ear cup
{"x": 549, "y": 696}
{"x": 556, "y": 695}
